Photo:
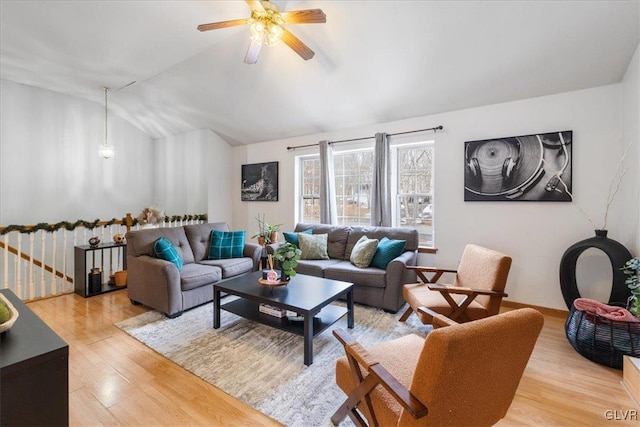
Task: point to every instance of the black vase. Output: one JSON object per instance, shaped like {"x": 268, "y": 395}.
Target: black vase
{"x": 283, "y": 276}
{"x": 617, "y": 254}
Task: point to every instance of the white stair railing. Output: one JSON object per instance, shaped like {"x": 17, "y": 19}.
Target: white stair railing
{"x": 33, "y": 270}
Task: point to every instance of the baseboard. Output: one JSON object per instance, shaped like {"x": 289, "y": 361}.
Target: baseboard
{"x": 544, "y": 310}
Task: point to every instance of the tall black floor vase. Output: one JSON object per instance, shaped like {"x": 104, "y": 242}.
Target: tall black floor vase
{"x": 617, "y": 254}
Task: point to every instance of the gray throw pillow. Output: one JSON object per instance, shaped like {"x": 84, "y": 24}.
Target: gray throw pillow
{"x": 313, "y": 246}
{"x": 363, "y": 252}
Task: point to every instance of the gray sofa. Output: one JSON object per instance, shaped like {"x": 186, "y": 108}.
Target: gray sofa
{"x": 160, "y": 285}
{"x": 373, "y": 286}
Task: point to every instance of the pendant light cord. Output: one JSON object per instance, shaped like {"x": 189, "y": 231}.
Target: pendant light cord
{"x": 106, "y": 89}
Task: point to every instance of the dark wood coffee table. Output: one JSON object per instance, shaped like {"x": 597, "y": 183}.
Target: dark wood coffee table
{"x": 309, "y": 296}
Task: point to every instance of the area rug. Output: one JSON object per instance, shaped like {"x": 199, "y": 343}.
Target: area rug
{"x": 263, "y": 366}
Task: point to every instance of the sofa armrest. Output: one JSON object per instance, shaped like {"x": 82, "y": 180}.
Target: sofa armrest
{"x": 398, "y": 275}
{"x": 154, "y": 282}
{"x": 253, "y": 251}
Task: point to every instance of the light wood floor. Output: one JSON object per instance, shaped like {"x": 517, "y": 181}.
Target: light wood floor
{"x": 115, "y": 380}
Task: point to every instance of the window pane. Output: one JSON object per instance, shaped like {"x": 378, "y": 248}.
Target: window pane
{"x": 414, "y": 207}
{"x": 353, "y": 181}
{"x": 353, "y": 175}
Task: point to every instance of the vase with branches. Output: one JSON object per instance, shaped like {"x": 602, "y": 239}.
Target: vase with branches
{"x": 614, "y": 187}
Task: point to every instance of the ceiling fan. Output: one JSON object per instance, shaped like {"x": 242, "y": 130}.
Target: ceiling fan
{"x": 267, "y": 27}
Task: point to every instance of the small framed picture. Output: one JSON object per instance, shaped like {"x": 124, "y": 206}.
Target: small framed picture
{"x": 260, "y": 182}
{"x": 528, "y": 168}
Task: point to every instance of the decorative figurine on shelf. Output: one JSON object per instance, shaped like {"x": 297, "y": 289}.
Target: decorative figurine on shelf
{"x": 94, "y": 241}
{"x": 118, "y": 239}
{"x": 150, "y": 217}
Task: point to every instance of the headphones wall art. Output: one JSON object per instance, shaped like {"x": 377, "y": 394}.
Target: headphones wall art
{"x": 528, "y": 167}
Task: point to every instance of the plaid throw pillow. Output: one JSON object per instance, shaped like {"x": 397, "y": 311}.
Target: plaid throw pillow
{"x": 226, "y": 244}
{"x": 164, "y": 249}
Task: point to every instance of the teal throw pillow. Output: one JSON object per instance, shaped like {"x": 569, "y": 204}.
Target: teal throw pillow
{"x": 387, "y": 250}
{"x": 226, "y": 244}
{"x": 164, "y": 249}
{"x": 293, "y": 237}
{"x": 313, "y": 246}
{"x": 363, "y": 252}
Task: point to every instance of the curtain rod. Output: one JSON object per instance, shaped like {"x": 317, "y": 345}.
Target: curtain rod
{"x": 434, "y": 129}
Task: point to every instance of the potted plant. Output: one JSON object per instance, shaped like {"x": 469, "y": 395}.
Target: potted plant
{"x": 632, "y": 269}
{"x": 267, "y": 233}
{"x": 288, "y": 254}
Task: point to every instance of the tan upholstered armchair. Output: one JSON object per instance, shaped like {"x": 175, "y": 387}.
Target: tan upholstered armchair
{"x": 460, "y": 375}
{"x": 476, "y": 292}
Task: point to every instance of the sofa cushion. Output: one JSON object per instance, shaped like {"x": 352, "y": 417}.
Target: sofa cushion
{"x": 232, "y": 266}
{"x": 348, "y": 272}
{"x": 313, "y": 246}
{"x": 336, "y": 239}
{"x": 199, "y": 236}
{"x": 293, "y": 237}
{"x": 165, "y": 250}
{"x": 226, "y": 244}
{"x": 388, "y": 249}
{"x": 315, "y": 267}
{"x": 140, "y": 242}
{"x": 411, "y": 236}
{"x": 363, "y": 252}
{"x": 195, "y": 275}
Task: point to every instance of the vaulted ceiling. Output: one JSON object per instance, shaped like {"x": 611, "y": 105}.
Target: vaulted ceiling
{"x": 376, "y": 61}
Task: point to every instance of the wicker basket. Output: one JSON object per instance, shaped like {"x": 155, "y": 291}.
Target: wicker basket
{"x": 602, "y": 340}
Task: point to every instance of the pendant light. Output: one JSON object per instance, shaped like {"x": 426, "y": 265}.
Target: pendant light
{"x": 105, "y": 150}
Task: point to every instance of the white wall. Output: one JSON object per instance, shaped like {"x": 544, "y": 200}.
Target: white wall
{"x": 535, "y": 234}
{"x": 631, "y": 135}
{"x": 193, "y": 175}
{"x": 49, "y": 165}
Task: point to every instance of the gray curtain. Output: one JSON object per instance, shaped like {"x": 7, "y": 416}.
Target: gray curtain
{"x": 381, "y": 191}
{"x": 328, "y": 210}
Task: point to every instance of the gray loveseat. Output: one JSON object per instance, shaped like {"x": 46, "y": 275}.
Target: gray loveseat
{"x": 160, "y": 285}
{"x": 373, "y": 286}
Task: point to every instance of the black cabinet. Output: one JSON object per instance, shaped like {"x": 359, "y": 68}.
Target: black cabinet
{"x": 34, "y": 372}
{"x": 95, "y": 267}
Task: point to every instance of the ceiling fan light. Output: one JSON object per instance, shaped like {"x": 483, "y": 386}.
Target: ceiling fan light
{"x": 276, "y": 31}
{"x": 257, "y": 29}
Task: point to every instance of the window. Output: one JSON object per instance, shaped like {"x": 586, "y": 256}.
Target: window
{"x": 310, "y": 194}
{"x": 412, "y": 187}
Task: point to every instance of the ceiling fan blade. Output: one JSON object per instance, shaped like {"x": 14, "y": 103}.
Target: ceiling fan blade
{"x": 296, "y": 44}
{"x": 255, "y": 5}
{"x": 252, "y": 53}
{"x": 309, "y": 16}
{"x": 222, "y": 24}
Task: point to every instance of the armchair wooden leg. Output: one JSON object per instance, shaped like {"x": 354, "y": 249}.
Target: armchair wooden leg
{"x": 358, "y": 397}
{"x": 406, "y": 314}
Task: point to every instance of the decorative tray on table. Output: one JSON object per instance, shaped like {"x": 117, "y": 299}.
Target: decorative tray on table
{"x": 266, "y": 282}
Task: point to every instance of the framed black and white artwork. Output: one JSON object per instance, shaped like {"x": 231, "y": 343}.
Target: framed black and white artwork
{"x": 260, "y": 182}
{"x": 528, "y": 168}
